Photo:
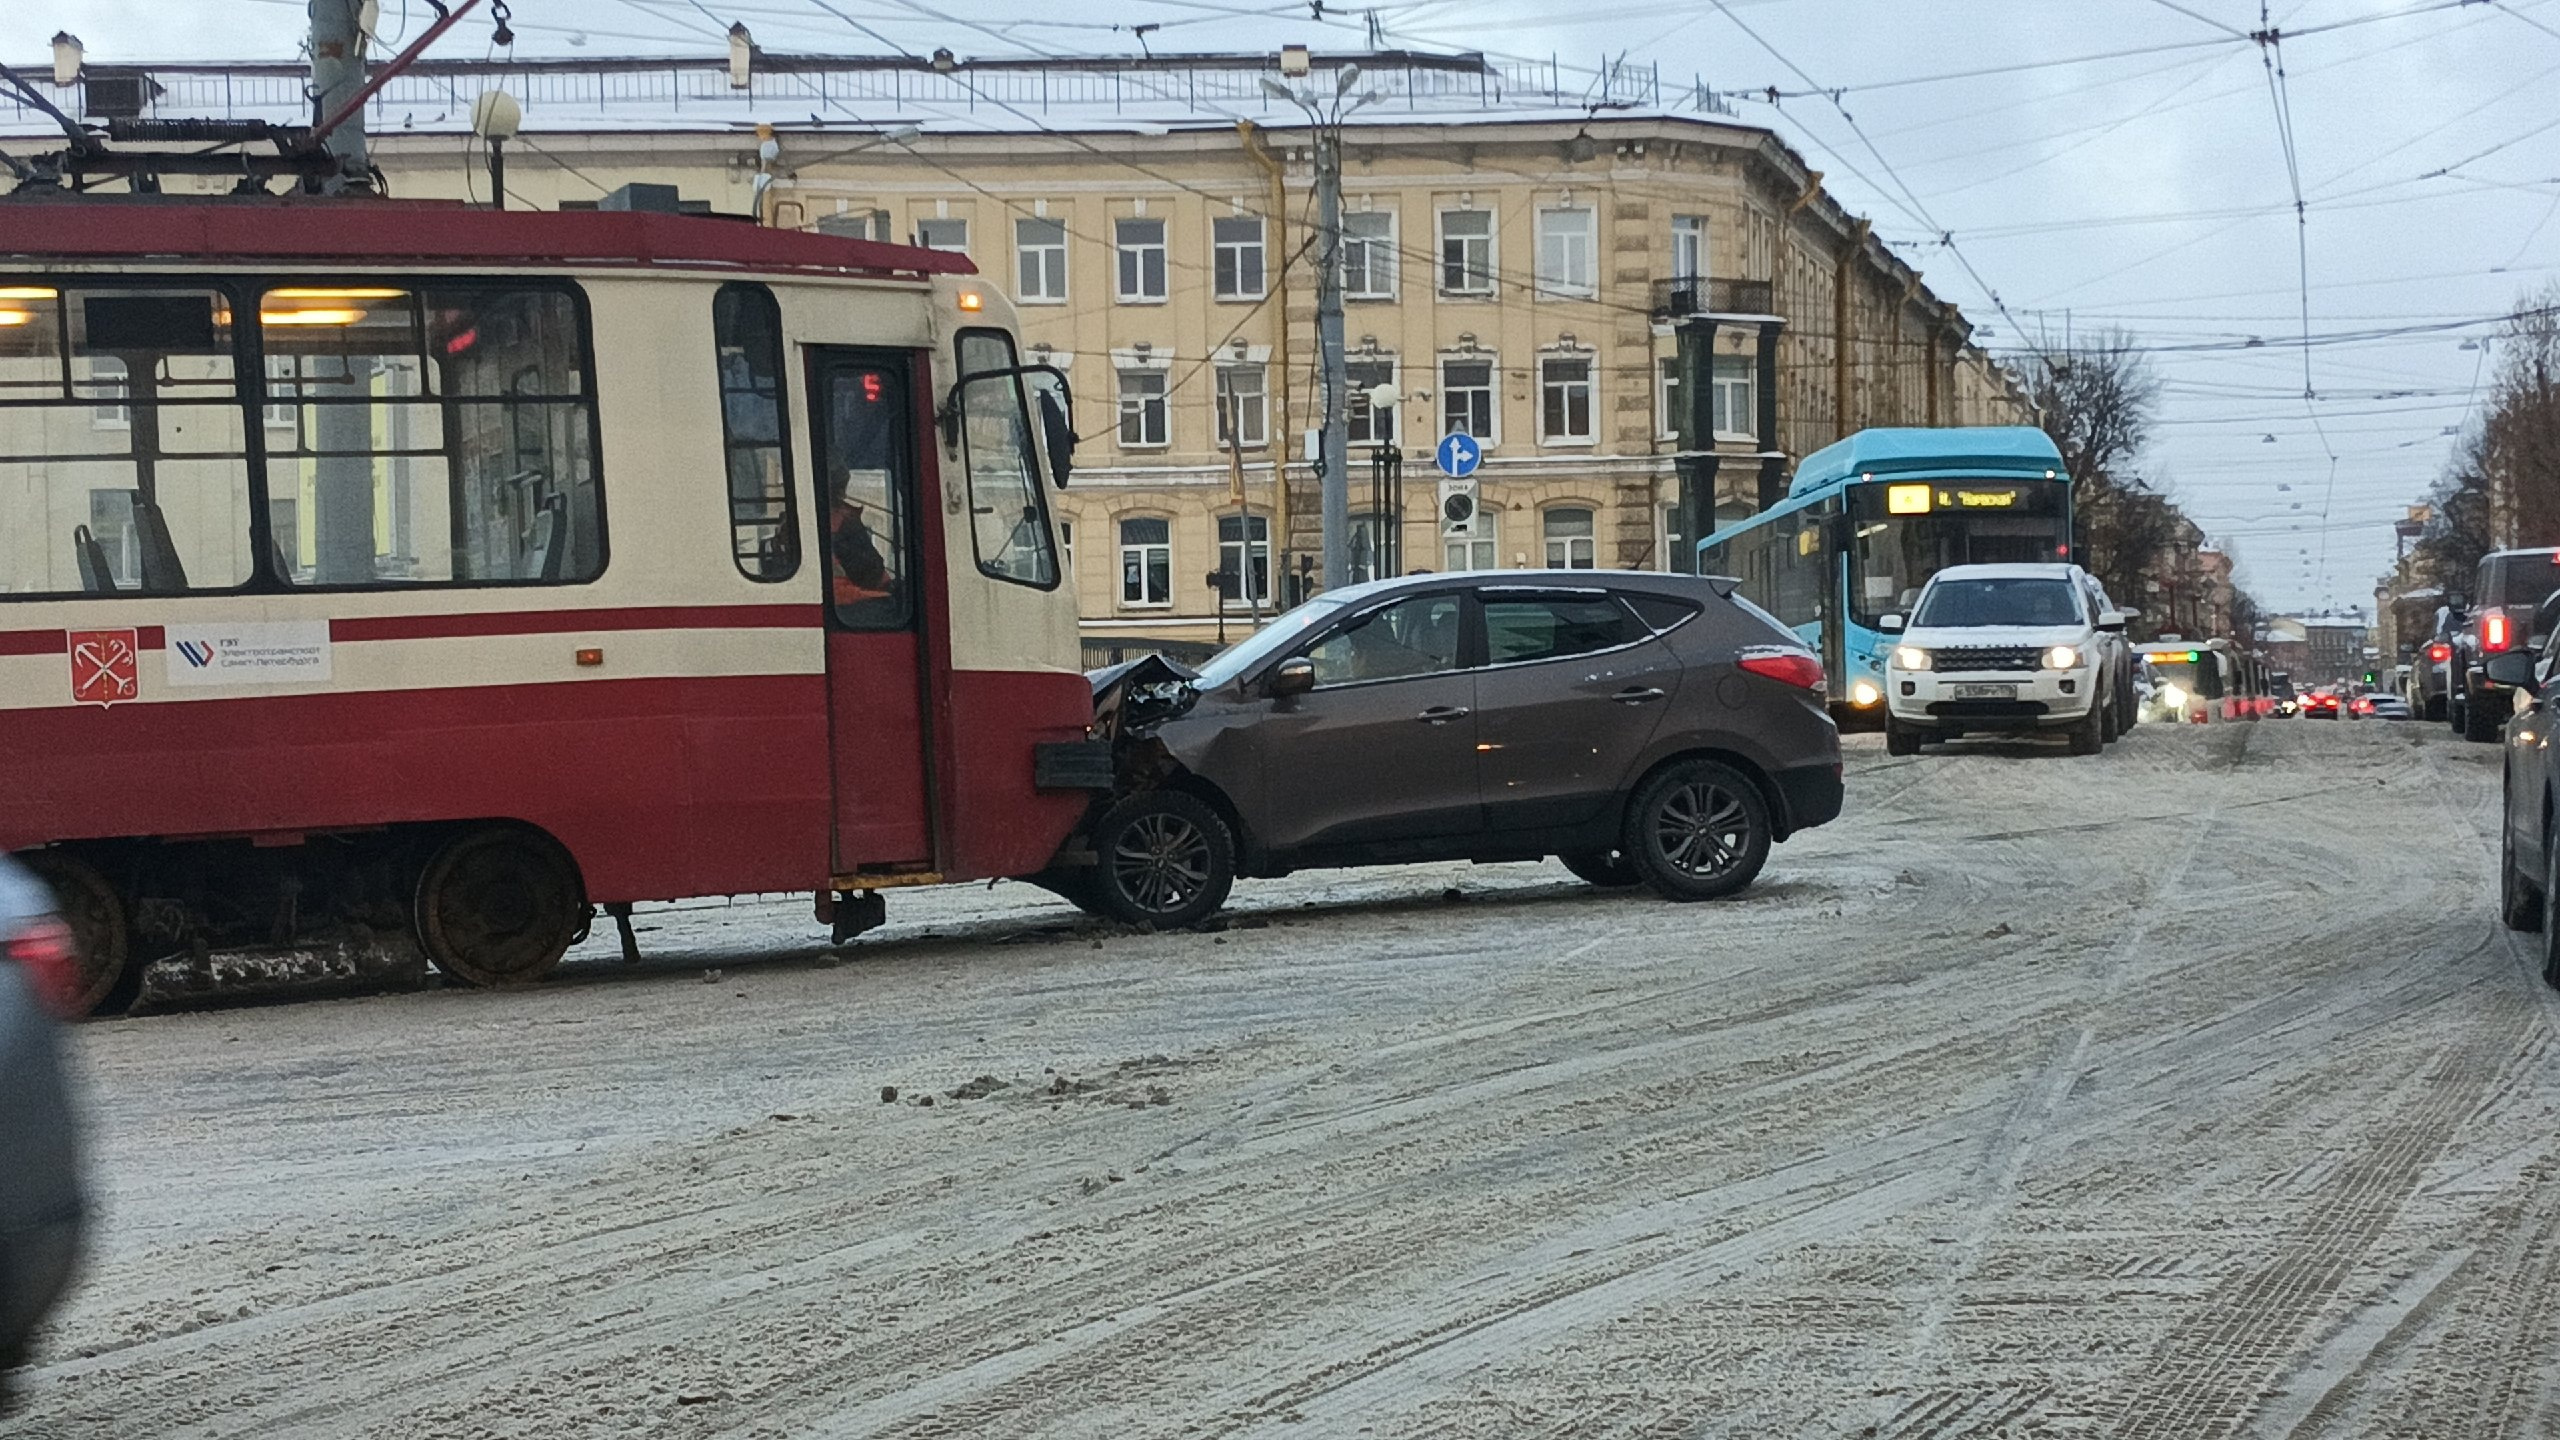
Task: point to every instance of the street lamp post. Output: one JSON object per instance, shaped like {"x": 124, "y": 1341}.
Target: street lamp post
{"x": 1325, "y": 113}
{"x": 496, "y": 117}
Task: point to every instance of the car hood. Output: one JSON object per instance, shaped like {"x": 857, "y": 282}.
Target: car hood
{"x": 1135, "y": 694}
{"x": 1974, "y": 637}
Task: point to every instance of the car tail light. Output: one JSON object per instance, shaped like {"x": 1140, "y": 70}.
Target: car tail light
{"x": 2495, "y": 634}
{"x": 1791, "y": 667}
{"x": 2439, "y": 653}
{"x": 45, "y": 948}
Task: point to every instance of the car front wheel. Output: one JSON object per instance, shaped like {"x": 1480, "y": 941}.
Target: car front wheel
{"x": 1900, "y": 739}
{"x": 2550, "y": 921}
{"x": 1698, "y": 831}
{"x": 1168, "y": 860}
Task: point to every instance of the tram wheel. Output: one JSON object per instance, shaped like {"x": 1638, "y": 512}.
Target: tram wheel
{"x": 104, "y": 978}
{"x": 499, "y": 906}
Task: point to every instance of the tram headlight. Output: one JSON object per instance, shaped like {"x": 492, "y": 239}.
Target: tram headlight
{"x": 2176, "y": 698}
{"x": 1863, "y": 693}
{"x": 2061, "y": 657}
{"x": 1910, "y": 657}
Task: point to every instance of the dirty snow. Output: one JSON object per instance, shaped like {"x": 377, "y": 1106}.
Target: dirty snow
{"x": 2191, "y": 1090}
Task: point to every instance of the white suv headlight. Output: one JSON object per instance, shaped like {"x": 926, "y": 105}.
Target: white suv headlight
{"x": 2061, "y": 657}
{"x": 1910, "y": 657}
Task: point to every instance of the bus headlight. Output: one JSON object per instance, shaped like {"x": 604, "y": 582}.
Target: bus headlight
{"x": 2061, "y": 657}
{"x": 1864, "y": 693}
{"x": 1910, "y": 657}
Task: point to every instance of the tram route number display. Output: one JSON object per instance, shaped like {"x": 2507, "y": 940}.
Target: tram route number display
{"x": 279, "y": 652}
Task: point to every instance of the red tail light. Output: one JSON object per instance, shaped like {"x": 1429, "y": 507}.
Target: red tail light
{"x": 1791, "y": 667}
{"x": 2439, "y": 653}
{"x": 2495, "y": 634}
{"x": 45, "y": 948}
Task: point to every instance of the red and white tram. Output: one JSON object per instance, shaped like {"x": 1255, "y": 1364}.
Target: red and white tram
{"x": 415, "y": 570}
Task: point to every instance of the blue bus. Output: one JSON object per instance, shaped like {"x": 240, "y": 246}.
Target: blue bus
{"x": 1868, "y": 520}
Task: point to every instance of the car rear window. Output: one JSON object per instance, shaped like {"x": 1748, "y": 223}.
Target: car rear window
{"x": 1522, "y": 628}
{"x": 1662, "y": 612}
{"x": 2519, "y": 579}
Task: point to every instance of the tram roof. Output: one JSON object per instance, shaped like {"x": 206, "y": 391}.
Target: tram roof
{"x": 190, "y": 229}
{"x": 1972, "y": 450}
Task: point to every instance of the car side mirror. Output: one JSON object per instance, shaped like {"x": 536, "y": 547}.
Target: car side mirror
{"x": 2514, "y": 668}
{"x": 1889, "y": 624}
{"x": 2111, "y": 619}
{"x": 1291, "y": 677}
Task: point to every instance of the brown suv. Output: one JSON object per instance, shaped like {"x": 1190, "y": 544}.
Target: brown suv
{"x": 1652, "y": 729}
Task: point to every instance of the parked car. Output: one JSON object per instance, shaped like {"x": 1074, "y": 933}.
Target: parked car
{"x": 40, "y": 1190}
{"x": 2512, "y": 585}
{"x": 1644, "y": 728}
{"x": 2005, "y": 648}
{"x": 2529, "y": 838}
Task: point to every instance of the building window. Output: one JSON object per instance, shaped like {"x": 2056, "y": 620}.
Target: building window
{"x": 1679, "y": 551}
{"x": 1067, "y": 544}
{"x": 1736, "y": 397}
{"x": 764, "y": 529}
{"x": 1247, "y": 558}
{"x": 1144, "y": 424}
{"x": 1666, "y": 398}
{"x": 1369, "y": 255}
{"x": 1243, "y": 417}
{"x": 1040, "y": 247}
{"x": 1688, "y": 247}
{"x": 1370, "y": 425}
{"x": 1467, "y": 400}
{"x": 944, "y": 232}
{"x": 1236, "y": 241}
{"x": 1570, "y": 539}
{"x": 1479, "y": 550}
{"x": 1466, "y": 252}
{"x": 1146, "y": 561}
{"x": 109, "y": 384}
{"x": 1565, "y": 259}
{"x": 1140, "y": 244}
{"x": 1564, "y": 400}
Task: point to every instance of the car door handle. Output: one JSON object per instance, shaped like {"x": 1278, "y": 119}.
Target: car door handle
{"x": 1443, "y": 714}
{"x": 1636, "y": 695}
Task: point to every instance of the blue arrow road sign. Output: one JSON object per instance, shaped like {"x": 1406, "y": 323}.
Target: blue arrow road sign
{"x": 1460, "y": 455}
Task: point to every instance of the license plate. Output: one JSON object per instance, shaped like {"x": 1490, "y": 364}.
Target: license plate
{"x": 1986, "y": 692}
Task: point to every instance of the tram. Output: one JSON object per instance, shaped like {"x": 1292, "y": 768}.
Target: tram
{"x": 406, "y": 570}
{"x": 2200, "y": 683}
{"x": 1867, "y": 520}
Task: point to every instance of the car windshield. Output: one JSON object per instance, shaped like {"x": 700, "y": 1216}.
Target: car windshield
{"x": 1998, "y": 601}
{"x": 1227, "y": 664}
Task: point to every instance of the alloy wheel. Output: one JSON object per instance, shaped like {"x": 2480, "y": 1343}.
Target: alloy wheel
{"x": 1702, "y": 828}
{"x": 1162, "y": 862}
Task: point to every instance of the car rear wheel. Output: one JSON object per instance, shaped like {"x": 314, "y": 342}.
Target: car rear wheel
{"x": 2481, "y": 721}
{"x": 2550, "y": 921}
{"x": 1901, "y": 739}
{"x": 104, "y": 978}
{"x": 2520, "y": 905}
{"x": 1608, "y": 869}
{"x": 1168, "y": 860}
{"x": 1698, "y": 831}
{"x": 498, "y": 906}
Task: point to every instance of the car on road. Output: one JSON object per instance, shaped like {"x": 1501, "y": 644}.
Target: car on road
{"x": 40, "y": 1189}
{"x": 2529, "y": 811}
{"x": 1645, "y": 728}
{"x": 2282, "y": 701}
{"x": 2385, "y": 706}
{"x": 2512, "y": 586}
{"x": 2006, "y": 648}
{"x": 2323, "y": 704}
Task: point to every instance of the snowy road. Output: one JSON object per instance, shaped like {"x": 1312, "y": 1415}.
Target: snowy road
{"x": 2188, "y": 1091}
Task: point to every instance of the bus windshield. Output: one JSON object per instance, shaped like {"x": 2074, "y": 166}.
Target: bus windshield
{"x": 1996, "y": 601}
{"x": 1901, "y": 534}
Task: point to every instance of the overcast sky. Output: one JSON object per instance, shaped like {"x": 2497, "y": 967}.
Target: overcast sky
{"x": 2147, "y": 190}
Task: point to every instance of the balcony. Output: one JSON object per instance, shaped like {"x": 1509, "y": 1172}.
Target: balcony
{"x": 1698, "y": 295}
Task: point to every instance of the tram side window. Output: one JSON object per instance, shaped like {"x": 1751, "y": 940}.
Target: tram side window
{"x": 435, "y": 436}
{"x": 764, "y": 533}
{"x": 1008, "y": 515}
{"x": 123, "y": 458}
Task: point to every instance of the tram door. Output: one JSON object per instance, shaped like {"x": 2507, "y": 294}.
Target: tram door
{"x": 878, "y": 593}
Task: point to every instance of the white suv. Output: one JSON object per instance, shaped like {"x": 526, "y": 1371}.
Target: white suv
{"x": 2004, "y": 648}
